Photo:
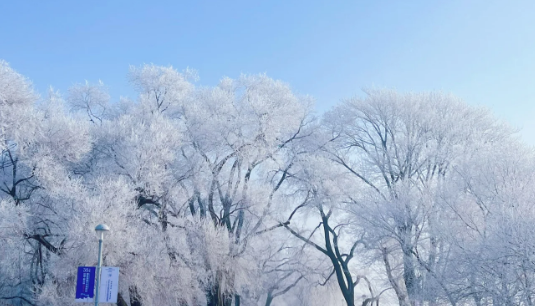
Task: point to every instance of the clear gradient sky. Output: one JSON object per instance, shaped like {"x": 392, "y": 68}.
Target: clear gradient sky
{"x": 482, "y": 51}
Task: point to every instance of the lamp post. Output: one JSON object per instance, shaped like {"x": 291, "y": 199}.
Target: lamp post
{"x": 100, "y": 229}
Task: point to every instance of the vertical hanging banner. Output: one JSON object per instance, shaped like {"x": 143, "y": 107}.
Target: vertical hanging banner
{"x": 85, "y": 284}
{"x": 109, "y": 285}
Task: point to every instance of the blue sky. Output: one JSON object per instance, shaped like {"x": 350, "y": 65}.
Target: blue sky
{"x": 482, "y": 51}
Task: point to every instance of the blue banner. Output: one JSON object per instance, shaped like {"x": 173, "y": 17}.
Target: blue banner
{"x": 85, "y": 284}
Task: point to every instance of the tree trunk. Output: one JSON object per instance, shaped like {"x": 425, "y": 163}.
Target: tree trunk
{"x": 121, "y": 301}
{"x": 135, "y": 299}
{"x": 269, "y": 299}
{"x": 402, "y": 297}
{"x": 409, "y": 269}
{"x": 216, "y": 297}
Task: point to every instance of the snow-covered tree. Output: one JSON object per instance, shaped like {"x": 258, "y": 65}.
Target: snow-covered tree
{"x": 235, "y": 195}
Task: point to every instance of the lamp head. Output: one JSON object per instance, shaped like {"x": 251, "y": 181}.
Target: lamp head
{"x": 102, "y": 228}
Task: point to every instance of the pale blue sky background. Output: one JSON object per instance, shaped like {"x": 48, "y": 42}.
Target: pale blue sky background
{"x": 482, "y": 51}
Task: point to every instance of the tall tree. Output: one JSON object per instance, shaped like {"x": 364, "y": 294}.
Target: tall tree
{"x": 404, "y": 149}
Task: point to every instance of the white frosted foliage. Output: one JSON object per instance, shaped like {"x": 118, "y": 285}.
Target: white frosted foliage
{"x": 235, "y": 194}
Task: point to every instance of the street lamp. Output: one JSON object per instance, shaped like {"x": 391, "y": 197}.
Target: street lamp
{"x": 100, "y": 229}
